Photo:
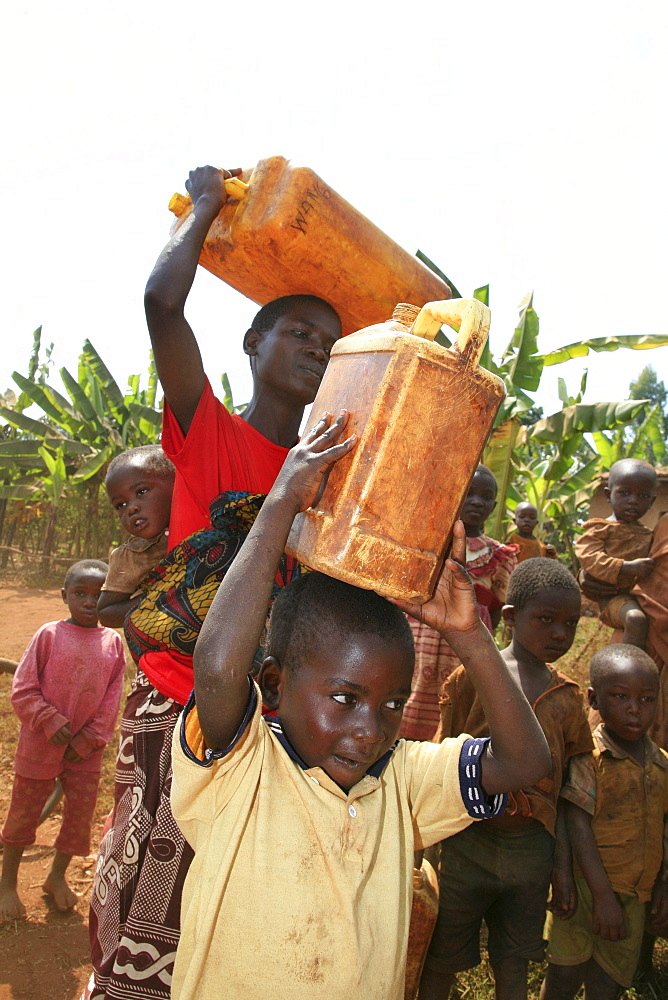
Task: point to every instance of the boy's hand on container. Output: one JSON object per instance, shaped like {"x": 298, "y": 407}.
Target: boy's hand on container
{"x": 453, "y": 608}
{"x": 64, "y": 735}
{"x": 608, "y": 917}
{"x": 658, "y": 911}
{"x": 209, "y": 182}
{"x": 564, "y": 898}
{"x": 303, "y": 476}
{"x": 71, "y": 754}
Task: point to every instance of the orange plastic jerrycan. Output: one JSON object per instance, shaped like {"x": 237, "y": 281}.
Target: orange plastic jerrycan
{"x": 422, "y": 414}
{"x": 283, "y": 231}
{"x": 424, "y": 913}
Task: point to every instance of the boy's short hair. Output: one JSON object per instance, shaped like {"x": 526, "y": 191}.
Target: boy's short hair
{"x": 630, "y": 467}
{"x": 316, "y": 609}
{"x": 268, "y": 315}
{"x": 151, "y": 456}
{"x": 84, "y": 566}
{"x": 533, "y": 575}
{"x": 603, "y": 662}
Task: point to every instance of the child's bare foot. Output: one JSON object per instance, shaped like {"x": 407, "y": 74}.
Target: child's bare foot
{"x": 11, "y": 907}
{"x": 63, "y": 897}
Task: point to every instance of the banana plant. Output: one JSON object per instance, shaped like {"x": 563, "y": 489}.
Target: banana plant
{"x": 550, "y": 462}
{"x": 66, "y": 450}
{"x": 96, "y": 422}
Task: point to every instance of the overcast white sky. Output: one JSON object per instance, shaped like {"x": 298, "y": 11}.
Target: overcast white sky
{"x": 519, "y": 144}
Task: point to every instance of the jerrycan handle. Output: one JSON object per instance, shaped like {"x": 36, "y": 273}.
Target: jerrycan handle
{"x": 472, "y": 318}
{"x": 234, "y": 188}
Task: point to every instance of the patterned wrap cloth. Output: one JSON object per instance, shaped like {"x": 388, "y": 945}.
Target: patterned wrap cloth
{"x": 143, "y": 860}
{"x": 180, "y": 589}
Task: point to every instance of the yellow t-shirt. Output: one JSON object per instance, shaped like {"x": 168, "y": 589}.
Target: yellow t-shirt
{"x": 299, "y": 890}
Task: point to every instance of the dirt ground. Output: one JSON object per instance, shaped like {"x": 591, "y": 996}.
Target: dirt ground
{"x": 46, "y": 956}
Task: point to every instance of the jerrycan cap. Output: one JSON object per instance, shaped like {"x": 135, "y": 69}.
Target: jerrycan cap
{"x": 405, "y": 314}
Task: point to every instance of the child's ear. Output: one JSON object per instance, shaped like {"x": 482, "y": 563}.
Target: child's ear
{"x": 606, "y": 492}
{"x": 508, "y": 614}
{"x": 270, "y": 681}
{"x": 63, "y": 594}
{"x": 592, "y": 699}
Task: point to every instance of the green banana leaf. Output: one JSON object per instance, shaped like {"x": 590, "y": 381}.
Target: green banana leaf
{"x": 636, "y": 342}
{"x": 585, "y": 418}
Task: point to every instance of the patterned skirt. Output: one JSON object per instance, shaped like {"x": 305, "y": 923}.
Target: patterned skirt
{"x": 143, "y": 860}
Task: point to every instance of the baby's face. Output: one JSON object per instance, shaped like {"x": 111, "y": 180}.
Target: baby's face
{"x": 341, "y": 710}
{"x": 142, "y": 499}
{"x": 631, "y": 496}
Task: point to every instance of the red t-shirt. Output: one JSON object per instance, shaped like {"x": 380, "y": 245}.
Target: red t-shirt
{"x": 220, "y": 452}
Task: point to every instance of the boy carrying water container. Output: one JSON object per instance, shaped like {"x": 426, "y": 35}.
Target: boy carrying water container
{"x": 323, "y": 801}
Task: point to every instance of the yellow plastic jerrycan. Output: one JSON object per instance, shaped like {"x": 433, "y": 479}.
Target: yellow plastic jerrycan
{"x": 422, "y": 414}
{"x": 287, "y": 232}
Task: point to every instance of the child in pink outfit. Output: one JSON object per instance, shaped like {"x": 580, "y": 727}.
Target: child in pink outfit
{"x": 66, "y": 692}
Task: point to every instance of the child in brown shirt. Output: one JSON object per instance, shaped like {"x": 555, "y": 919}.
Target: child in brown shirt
{"x": 501, "y": 873}
{"x": 616, "y": 549}
{"x": 526, "y": 519}
{"x": 617, "y": 801}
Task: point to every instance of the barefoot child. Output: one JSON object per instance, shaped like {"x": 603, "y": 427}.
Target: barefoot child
{"x": 490, "y": 563}
{"x": 617, "y": 803}
{"x": 616, "y": 550}
{"x": 500, "y": 871}
{"x": 322, "y": 801}
{"x": 66, "y": 692}
{"x": 529, "y": 547}
{"x": 139, "y": 484}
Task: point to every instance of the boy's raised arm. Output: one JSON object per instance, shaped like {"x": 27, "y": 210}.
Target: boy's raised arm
{"x": 233, "y": 626}
{"x": 177, "y": 356}
{"x": 518, "y": 753}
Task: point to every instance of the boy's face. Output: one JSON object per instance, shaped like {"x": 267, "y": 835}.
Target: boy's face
{"x": 142, "y": 499}
{"x": 631, "y": 495}
{"x": 526, "y": 519}
{"x": 341, "y": 710}
{"x": 546, "y": 625}
{"x": 293, "y": 355}
{"x": 480, "y": 500}
{"x": 80, "y": 596}
{"x": 626, "y": 698}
